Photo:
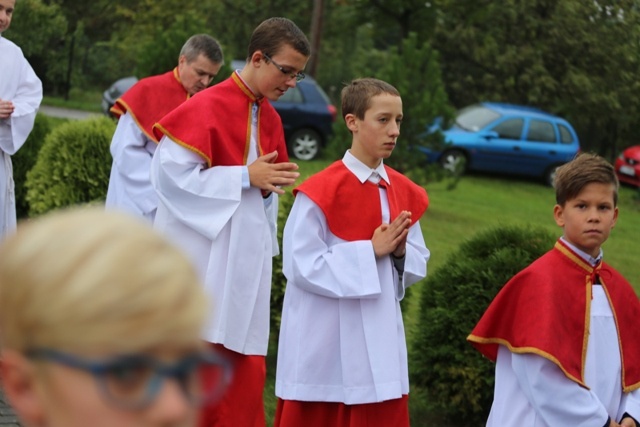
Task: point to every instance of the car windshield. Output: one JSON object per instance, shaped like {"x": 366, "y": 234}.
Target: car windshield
{"x": 475, "y": 117}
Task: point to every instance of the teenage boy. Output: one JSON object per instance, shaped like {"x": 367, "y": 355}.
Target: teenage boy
{"x": 20, "y": 97}
{"x": 140, "y": 107}
{"x": 100, "y": 321}
{"x": 218, "y": 169}
{"x": 564, "y": 331}
{"x": 352, "y": 245}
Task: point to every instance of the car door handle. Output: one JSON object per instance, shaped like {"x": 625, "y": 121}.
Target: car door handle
{"x": 552, "y": 152}
{"x": 516, "y": 148}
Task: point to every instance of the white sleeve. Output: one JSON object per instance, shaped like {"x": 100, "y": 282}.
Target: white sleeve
{"x": 132, "y": 162}
{"x": 556, "y": 399}
{"x": 631, "y": 404}
{"x": 202, "y": 198}
{"x": 340, "y": 270}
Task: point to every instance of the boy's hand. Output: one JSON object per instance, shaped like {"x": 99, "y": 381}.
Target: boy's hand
{"x": 627, "y": 422}
{"x": 269, "y": 176}
{"x": 392, "y": 238}
{"x": 6, "y": 109}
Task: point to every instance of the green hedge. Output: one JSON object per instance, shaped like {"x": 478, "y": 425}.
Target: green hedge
{"x": 279, "y": 282}
{"x": 25, "y": 159}
{"x": 73, "y": 166}
{"x": 457, "y": 380}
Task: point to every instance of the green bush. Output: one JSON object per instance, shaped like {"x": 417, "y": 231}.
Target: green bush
{"x": 24, "y": 160}
{"x": 279, "y": 282}
{"x": 73, "y": 166}
{"x": 457, "y": 379}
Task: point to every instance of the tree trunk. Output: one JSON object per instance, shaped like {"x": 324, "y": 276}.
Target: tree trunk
{"x": 316, "y": 35}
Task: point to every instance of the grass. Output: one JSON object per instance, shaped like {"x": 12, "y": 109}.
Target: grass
{"x": 480, "y": 202}
{"x": 78, "y": 100}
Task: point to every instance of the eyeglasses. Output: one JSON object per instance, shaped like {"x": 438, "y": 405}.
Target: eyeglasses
{"x": 134, "y": 381}
{"x": 298, "y": 76}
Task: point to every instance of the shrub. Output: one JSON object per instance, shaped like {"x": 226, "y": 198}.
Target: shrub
{"x": 279, "y": 282}
{"x": 73, "y": 166}
{"x": 24, "y": 160}
{"x": 457, "y": 379}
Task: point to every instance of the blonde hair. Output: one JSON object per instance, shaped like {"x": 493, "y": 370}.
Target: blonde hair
{"x": 90, "y": 280}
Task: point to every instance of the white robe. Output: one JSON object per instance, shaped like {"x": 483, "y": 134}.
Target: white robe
{"x": 20, "y": 85}
{"x": 532, "y": 391}
{"x": 342, "y": 336}
{"x": 229, "y": 232}
{"x": 130, "y": 189}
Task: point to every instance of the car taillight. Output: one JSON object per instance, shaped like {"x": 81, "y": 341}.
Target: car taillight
{"x": 333, "y": 111}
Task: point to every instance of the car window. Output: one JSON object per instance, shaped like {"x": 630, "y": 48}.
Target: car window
{"x": 566, "y": 137}
{"x": 475, "y": 117}
{"x": 509, "y": 129}
{"x": 541, "y": 131}
{"x": 292, "y": 95}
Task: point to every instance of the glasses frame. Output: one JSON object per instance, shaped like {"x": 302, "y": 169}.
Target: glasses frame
{"x": 298, "y": 76}
{"x": 161, "y": 371}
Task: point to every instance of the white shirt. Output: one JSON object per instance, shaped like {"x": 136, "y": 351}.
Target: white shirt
{"x": 342, "y": 336}
{"x": 20, "y": 85}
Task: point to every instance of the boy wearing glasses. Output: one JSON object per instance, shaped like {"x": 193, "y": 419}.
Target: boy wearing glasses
{"x": 218, "y": 169}
{"x": 352, "y": 245}
{"x": 99, "y": 325}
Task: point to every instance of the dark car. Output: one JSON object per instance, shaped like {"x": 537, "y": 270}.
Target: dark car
{"x": 627, "y": 166}
{"x": 508, "y": 139}
{"x": 306, "y": 111}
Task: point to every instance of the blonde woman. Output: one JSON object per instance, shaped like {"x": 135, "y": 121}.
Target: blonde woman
{"x": 100, "y": 322}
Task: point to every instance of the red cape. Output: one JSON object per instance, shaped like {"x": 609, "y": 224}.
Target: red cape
{"x": 545, "y": 309}
{"x": 216, "y": 124}
{"x": 352, "y": 208}
{"x": 151, "y": 99}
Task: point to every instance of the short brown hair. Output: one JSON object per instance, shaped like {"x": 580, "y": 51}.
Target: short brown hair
{"x": 356, "y": 96}
{"x": 273, "y": 33}
{"x": 585, "y": 168}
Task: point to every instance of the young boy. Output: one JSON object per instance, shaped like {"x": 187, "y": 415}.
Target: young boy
{"x": 564, "y": 331}
{"x": 352, "y": 245}
{"x": 100, "y": 323}
{"x": 221, "y": 158}
{"x": 140, "y": 107}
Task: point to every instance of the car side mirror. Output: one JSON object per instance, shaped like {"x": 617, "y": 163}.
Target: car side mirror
{"x": 490, "y": 134}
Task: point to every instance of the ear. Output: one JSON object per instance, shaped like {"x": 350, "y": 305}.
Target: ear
{"x": 19, "y": 382}
{"x": 615, "y": 216}
{"x": 256, "y": 57}
{"x": 558, "y": 211}
{"x": 182, "y": 60}
{"x": 352, "y": 122}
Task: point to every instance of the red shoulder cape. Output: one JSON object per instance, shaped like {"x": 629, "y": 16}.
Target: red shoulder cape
{"x": 545, "y": 309}
{"x": 216, "y": 124}
{"x": 151, "y": 99}
{"x": 352, "y": 208}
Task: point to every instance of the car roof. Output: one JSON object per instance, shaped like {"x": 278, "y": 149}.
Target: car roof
{"x": 512, "y": 109}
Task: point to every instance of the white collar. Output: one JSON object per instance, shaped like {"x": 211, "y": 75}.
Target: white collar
{"x": 362, "y": 171}
{"x": 585, "y": 256}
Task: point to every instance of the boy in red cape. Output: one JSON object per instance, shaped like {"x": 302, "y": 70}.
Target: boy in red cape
{"x": 218, "y": 170}
{"x": 139, "y": 108}
{"x": 352, "y": 245}
{"x": 564, "y": 331}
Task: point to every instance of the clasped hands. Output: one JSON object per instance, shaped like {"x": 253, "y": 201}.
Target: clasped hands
{"x": 392, "y": 238}
{"x": 267, "y": 175}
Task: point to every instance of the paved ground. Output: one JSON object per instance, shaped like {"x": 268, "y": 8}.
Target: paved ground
{"x": 7, "y": 416}
{"x": 65, "y": 113}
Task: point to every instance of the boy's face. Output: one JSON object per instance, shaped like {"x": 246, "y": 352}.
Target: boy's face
{"x": 375, "y": 136}
{"x": 56, "y": 395}
{"x": 267, "y": 79}
{"x": 6, "y": 12}
{"x": 588, "y": 218}
{"x": 197, "y": 74}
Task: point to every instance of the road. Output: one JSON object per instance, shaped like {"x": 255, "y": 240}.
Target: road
{"x": 65, "y": 113}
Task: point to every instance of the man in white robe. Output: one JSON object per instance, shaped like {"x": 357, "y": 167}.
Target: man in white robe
{"x": 20, "y": 97}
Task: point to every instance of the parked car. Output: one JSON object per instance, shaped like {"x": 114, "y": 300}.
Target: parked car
{"x": 306, "y": 112}
{"x": 508, "y": 139}
{"x": 627, "y": 166}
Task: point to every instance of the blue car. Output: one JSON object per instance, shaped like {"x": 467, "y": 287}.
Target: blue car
{"x": 507, "y": 139}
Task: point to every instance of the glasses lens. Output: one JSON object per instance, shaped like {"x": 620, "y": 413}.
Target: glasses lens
{"x": 129, "y": 381}
{"x": 300, "y": 77}
{"x": 209, "y": 382}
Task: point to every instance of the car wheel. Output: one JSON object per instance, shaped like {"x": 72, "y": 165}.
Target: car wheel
{"x": 454, "y": 161}
{"x": 550, "y": 175}
{"x": 305, "y": 144}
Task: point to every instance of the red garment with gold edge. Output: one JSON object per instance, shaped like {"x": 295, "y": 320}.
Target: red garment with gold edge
{"x": 151, "y": 99}
{"x": 352, "y": 208}
{"x": 216, "y": 124}
{"x": 545, "y": 310}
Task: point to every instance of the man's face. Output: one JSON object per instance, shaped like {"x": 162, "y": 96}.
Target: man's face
{"x": 6, "y": 12}
{"x": 197, "y": 74}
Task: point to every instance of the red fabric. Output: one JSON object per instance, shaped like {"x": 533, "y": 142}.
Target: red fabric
{"x": 242, "y": 403}
{"x": 151, "y": 99}
{"x": 216, "y": 124}
{"x": 336, "y": 190}
{"x": 292, "y": 413}
{"x": 545, "y": 309}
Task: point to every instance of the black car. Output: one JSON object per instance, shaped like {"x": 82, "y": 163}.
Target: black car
{"x": 306, "y": 111}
